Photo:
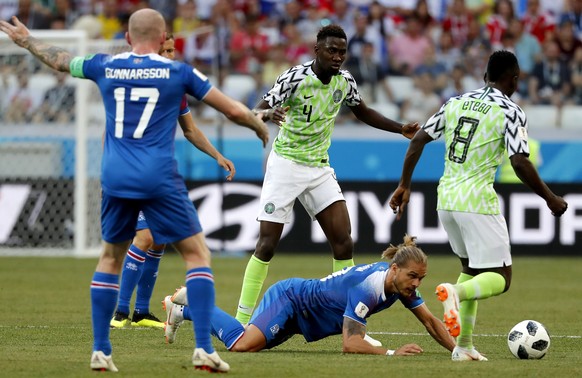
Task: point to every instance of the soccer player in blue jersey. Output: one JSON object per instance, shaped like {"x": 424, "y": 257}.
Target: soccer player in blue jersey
{"x": 337, "y": 304}
{"x": 478, "y": 128}
{"x": 304, "y": 102}
{"x": 140, "y": 267}
{"x": 142, "y": 91}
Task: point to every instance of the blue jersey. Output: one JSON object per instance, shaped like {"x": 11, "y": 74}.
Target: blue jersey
{"x": 319, "y": 306}
{"x": 142, "y": 96}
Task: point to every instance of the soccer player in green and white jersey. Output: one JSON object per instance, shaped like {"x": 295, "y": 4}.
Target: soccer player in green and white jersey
{"x": 304, "y": 102}
{"x": 478, "y": 127}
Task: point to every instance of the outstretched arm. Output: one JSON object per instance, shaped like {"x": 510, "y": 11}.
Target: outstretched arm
{"x": 353, "y": 334}
{"x": 373, "y": 118}
{"x": 528, "y": 174}
{"x": 434, "y": 326}
{"x": 237, "y": 113}
{"x": 195, "y": 136}
{"x": 401, "y": 195}
{"x": 54, "y": 57}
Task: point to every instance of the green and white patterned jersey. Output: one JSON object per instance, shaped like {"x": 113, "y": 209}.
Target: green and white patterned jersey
{"x": 305, "y": 136}
{"x": 478, "y": 127}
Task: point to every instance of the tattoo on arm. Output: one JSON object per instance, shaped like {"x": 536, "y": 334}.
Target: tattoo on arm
{"x": 351, "y": 327}
{"x": 52, "y": 56}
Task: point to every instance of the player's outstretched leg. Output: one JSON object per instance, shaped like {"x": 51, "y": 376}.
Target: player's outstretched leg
{"x": 142, "y": 317}
{"x": 447, "y": 294}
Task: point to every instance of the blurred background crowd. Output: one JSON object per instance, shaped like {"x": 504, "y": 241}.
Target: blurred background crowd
{"x": 409, "y": 55}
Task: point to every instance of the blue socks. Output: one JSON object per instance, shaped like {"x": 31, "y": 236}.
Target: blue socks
{"x": 104, "y": 293}
{"x": 132, "y": 272}
{"x": 226, "y": 327}
{"x": 200, "y": 285}
{"x": 145, "y": 286}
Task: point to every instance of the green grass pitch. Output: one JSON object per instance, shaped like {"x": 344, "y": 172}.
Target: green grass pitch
{"x": 45, "y": 325}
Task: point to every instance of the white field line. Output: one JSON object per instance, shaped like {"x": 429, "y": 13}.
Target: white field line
{"x": 476, "y": 335}
{"x": 370, "y": 333}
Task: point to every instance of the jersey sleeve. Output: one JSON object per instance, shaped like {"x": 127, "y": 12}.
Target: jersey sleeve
{"x": 353, "y": 97}
{"x": 516, "y": 131}
{"x": 197, "y": 84}
{"x": 279, "y": 93}
{"x": 435, "y": 126}
{"x": 184, "y": 109}
{"x": 360, "y": 304}
{"x": 85, "y": 67}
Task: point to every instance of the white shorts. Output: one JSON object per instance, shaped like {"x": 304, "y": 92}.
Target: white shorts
{"x": 481, "y": 238}
{"x": 285, "y": 180}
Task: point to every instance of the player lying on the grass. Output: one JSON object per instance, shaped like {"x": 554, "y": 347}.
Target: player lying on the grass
{"x": 140, "y": 267}
{"x": 337, "y": 304}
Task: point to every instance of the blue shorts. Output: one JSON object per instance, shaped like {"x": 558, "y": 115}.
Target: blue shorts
{"x": 170, "y": 218}
{"x": 276, "y": 315}
{"x": 142, "y": 223}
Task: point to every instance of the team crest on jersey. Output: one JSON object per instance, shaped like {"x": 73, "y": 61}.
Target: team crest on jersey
{"x": 137, "y": 60}
{"x": 361, "y": 310}
{"x": 337, "y": 96}
{"x": 270, "y": 208}
{"x": 275, "y": 329}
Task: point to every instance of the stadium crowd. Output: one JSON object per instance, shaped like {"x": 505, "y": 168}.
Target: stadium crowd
{"x": 441, "y": 46}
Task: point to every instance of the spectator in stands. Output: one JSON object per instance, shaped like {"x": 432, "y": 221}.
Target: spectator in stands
{"x": 528, "y": 52}
{"x": 574, "y": 15}
{"x": 276, "y": 63}
{"x": 456, "y": 84}
{"x": 21, "y": 100}
{"x": 369, "y": 74}
{"x": 363, "y": 34}
{"x": 292, "y": 14}
{"x": 200, "y": 48}
{"x": 475, "y": 51}
{"x": 538, "y": 23}
{"x": 549, "y": 82}
{"x": 498, "y": 23}
{"x": 446, "y": 51}
{"x": 576, "y": 70}
{"x": 437, "y": 70}
{"x": 109, "y": 19}
{"x": 343, "y": 15}
{"x": 408, "y": 49}
{"x": 481, "y": 10}
{"x": 58, "y": 105}
{"x": 310, "y": 24}
{"x": 567, "y": 41}
{"x": 186, "y": 20}
{"x": 423, "y": 101}
{"x": 295, "y": 48}
{"x": 248, "y": 46}
{"x": 457, "y": 22}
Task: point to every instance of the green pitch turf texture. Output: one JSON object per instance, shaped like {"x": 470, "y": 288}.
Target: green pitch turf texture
{"x": 45, "y": 324}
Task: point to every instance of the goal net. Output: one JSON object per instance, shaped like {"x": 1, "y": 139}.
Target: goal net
{"x": 50, "y": 151}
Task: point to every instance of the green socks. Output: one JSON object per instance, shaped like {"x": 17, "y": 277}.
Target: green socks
{"x": 467, "y": 315}
{"x": 470, "y": 289}
{"x": 340, "y": 264}
{"x": 255, "y": 275}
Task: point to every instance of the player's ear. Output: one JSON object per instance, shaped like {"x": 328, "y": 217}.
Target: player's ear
{"x": 128, "y": 38}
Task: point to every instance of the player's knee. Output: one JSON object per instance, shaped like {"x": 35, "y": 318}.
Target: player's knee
{"x": 265, "y": 249}
{"x": 143, "y": 241}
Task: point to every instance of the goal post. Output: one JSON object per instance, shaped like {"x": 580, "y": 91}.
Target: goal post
{"x": 50, "y": 151}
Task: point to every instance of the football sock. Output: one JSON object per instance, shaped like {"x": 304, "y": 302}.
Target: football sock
{"x": 226, "y": 328}
{"x": 255, "y": 275}
{"x": 132, "y": 269}
{"x": 468, "y": 315}
{"x": 104, "y": 292}
{"x": 200, "y": 286}
{"x": 482, "y": 286}
{"x": 340, "y": 264}
{"x": 145, "y": 285}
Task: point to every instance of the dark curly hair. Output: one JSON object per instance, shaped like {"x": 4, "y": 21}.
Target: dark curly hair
{"x": 501, "y": 63}
{"x": 331, "y": 31}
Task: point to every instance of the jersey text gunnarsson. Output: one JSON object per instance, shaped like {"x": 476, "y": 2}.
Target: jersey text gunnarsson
{"x": 137, "y": 73}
